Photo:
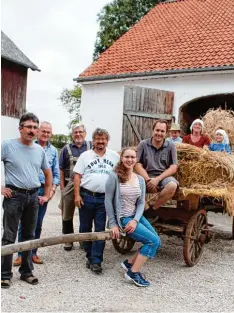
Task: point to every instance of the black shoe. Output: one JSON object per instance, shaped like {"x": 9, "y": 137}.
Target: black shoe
{"x": 88, "y": 264}
{"x": 96, "y": 268}
{"x": 68, "y": 246}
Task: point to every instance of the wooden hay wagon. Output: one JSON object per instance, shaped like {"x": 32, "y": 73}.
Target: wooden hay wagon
{"x": 206, "y": 184}
{"x": 184, "y": 217}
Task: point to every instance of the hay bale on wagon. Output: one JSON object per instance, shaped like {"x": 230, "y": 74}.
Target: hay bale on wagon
{"x": 219, "y": 118}
{"x": 206, "y": 173}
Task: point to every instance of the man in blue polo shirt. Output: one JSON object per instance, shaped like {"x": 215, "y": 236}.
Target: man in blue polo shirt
{"x": 44, "y": 135}
{"x": 68, "y": 158}
{"x": 157, "y": 159}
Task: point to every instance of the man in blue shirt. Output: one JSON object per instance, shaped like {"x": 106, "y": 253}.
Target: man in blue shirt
{"x": 44, "y": 135}
{"x": 23, "y": 159}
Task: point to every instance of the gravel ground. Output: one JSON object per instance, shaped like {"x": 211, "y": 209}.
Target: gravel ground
{"x": 65, "y": 285}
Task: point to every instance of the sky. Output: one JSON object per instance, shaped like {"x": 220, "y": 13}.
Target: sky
{"x": 58, "y": 36}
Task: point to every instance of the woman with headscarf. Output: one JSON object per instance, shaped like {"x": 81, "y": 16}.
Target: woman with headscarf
{"x": 221, "y": 142}
{"x": 196, "y": 138}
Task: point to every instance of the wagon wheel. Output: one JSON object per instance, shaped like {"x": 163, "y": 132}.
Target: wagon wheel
{"x": 124, "y": 244}
{"x": 195, "y": 237}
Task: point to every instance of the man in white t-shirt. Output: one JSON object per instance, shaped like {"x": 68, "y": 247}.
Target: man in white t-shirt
{"x": 91, "y": 172}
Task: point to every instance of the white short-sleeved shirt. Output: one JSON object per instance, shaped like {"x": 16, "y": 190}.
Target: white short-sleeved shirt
{"x": 95, "y": 169}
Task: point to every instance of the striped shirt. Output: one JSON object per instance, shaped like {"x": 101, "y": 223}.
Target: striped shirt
{"x": 129, "y": 195}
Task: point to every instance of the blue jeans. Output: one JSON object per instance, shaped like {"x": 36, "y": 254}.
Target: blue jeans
{"x": 93, "y": 211}
{"x": 40, "y": 217}
{"x": 146, "y": 234}
{"x": 22, "y": 207}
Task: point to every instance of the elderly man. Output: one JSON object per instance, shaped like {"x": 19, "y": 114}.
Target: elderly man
{"x": 23, "y": 159}
{"x": 68, "y": 158}
{"x": 44, "y": 135}
{"x": 157, "y": 163}
{"x": 91, "y": 172}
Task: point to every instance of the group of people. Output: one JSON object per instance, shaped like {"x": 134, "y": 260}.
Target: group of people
{"x": 98, "y": 181}
{"x": 198, "y": 139}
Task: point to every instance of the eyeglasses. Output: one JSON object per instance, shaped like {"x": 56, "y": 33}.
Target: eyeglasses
{"x": 45, "y": 132}
{"x": 78, "y": 132}
{"x": 129, "y": 157}
{"x": 29, "y": 126}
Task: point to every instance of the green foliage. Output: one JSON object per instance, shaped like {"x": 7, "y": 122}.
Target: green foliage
{"x": 60, "y": 140}
{"x": 116, "y": 18}
{"x": 71, "y": 100}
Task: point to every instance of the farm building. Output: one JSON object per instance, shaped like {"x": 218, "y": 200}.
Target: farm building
{"x": 14, "y": 71}
{"x": 178, "y": 60}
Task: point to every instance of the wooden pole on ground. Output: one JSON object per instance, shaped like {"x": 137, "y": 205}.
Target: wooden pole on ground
{"x": 51, "y": 241}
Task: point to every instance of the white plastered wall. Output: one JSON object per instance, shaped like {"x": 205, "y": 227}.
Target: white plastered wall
{"x": 9, "y": 130}
{"x": 102, "y": 103}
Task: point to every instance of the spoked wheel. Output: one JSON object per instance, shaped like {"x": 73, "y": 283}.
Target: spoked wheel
{"x": 195, "y": 238}
{"x": 124, "y": 244}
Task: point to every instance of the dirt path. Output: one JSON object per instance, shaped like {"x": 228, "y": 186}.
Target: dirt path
{"x": 65, "y": 285}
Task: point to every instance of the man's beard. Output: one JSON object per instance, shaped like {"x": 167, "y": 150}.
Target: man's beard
{"x": 102, "y": 147}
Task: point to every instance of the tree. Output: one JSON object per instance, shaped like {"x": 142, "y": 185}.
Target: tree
{"x": 71, "y": 100}
{"x": 60, "y": 140}
{"x": 117, "y": 18}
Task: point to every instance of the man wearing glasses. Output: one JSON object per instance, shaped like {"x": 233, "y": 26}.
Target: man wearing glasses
{"x": 43, "y": 137}
{"x": 68, "y": 158}
{"x": 23, "y": 159}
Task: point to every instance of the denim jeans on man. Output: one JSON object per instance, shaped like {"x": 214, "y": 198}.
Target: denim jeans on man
{"x": 93, "y": 211}
{"x": 145, "y": 234}
{"x": 41, "y": 215}
{"x": 22, "y": 207}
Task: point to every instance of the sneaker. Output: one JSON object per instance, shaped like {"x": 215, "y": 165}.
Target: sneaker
{"x": 17, "y": 261}
{"x": 88, "y": 264}
{"x": 136, "y": 278}
{"x": 36, "y": 259}
{"x": 96, "y": 268}
{"x": 68, "y": 246}
{"x": 126, "y": 265}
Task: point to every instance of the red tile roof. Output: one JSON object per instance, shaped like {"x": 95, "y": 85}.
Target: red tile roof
{"x": 185, "y": 34}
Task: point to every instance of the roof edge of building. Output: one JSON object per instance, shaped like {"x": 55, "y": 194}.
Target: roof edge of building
{"x": 33, "y": 68}
{"x": 153, "y": 73}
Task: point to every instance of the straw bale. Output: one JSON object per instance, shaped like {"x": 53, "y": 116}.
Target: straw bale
{"x": 215, "y": 119}
{"x": 201, "y": 166}
{"x": 206, "y": 173}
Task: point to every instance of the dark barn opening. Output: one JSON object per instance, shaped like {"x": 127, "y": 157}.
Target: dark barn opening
{"x": 197, "y": 108}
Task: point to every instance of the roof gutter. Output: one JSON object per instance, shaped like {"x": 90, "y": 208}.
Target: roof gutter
{"x": 153, "y": 73}
{"x": 22, "y": 64}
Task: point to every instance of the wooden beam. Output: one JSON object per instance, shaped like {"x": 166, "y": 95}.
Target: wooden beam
{"x": 168, "y": 227}
{"x": 148, "y": 115}
{"x": 51, "y": 241}
{"x": 134, "y": 128}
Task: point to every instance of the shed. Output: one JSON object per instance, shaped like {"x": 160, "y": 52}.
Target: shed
{"x": 14, "y": 70}
{"x": 178, "y": 60}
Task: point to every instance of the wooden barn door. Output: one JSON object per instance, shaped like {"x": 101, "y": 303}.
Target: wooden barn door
{"x": 142, "y": 106}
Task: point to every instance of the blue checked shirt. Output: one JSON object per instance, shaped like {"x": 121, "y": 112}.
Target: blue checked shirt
{"x": 52, "y": 157}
